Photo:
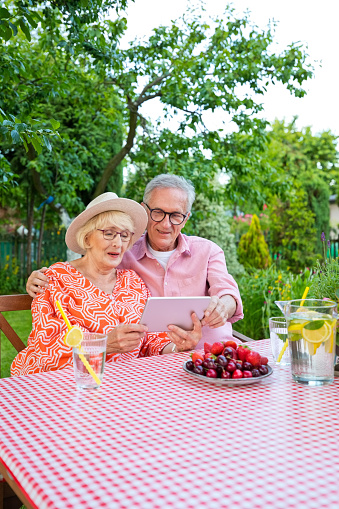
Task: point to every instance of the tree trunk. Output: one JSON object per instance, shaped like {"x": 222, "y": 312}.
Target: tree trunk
{"x": 30, "y": 222}
{"x": 119, "y": 157}
{"x": 42, "y": 222}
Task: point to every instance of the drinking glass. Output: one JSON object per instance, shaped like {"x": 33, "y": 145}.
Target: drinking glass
{"x": 92, "y": 351}
{"x": 278, "y": 336}
{"x": 311, "y": 326}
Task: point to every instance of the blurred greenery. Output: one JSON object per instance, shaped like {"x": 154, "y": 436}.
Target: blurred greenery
{"x": 259, "y": 289}
{"x": 21, "y": 321}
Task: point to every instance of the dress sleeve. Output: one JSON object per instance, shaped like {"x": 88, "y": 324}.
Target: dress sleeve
{"x": 153, "y": 342}
{"x": 49, "y": 327}
{"x": 221, "y": 282}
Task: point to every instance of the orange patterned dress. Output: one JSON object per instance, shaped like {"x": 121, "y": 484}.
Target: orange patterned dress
{"x": 88, "y": 307}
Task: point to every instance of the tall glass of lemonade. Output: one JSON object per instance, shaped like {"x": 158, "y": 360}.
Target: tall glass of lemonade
{"x": 311, "y": 326}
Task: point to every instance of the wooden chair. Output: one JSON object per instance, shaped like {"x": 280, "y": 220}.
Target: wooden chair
{"x": 8, "y": 499}
{"x": 12, "y": 303}
{"x": 242, "y": 337}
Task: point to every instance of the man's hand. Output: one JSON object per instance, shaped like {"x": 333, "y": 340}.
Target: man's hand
{"x": 219, "y": 311}
{"x": 37, "y": 282}
{"x": 184, "y": 340}
{"x": 125, "y": 338}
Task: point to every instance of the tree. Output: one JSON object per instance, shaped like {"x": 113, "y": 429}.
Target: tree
{"x": 192, "y": 67}
{"x": 253, "y": 250}
{"x": 309, "y": 161}
{"x": 292, "y": 229}
{"x": 21, "y": 18}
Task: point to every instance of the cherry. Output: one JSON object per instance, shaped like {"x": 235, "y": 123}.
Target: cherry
{"x": 231, "y": 366}
{"x": 209, "y": 364}
{"x": 199, "y": 370}
{"x": 226, "y": 375}
{"x": 255, "y": 372}
{"x": 211, "y": 373}
{"x": 247, "y": 374}
{"x": 263, "y": 370}
{"x": 190, "y": 365}
{"x": 198, "y": 362}
{"x": 230, "y": 352}
{"x": 247, "y": 366}
{"x": 219, "y": 371}
{"x": 221, "y": 360}
{"x": 237, "y": 374}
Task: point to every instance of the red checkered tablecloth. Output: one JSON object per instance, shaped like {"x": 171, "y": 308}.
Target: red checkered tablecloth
{"x": 154, "y": 437}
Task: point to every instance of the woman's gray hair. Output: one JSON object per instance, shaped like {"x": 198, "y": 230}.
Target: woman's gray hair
{"x": 165, "y": 181}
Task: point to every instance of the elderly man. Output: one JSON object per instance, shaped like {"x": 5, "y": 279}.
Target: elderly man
{"x": 174, "y": 264}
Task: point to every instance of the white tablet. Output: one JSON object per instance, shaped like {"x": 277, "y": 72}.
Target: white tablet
{"x": 159, "y": 312}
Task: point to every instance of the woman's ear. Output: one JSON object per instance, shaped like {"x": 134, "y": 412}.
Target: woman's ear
{"x": 87, "y": 241}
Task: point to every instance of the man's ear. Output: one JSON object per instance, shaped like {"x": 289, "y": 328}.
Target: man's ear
{"x": 186, "y": 218}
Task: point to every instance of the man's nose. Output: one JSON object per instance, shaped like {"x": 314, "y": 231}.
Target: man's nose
{"x": 166, "y": 221}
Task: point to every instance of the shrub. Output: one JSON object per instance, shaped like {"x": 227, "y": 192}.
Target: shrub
{"x": 210, "y": 221}
{"x": 10, "y": 278}
{"x": 260, "y": 289}
{"x": 253, "y": 249}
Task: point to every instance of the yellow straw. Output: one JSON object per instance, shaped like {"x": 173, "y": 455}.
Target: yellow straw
{"x": 286, "y": 342}
{"x": 63, "y": 315}
{"x": 84, "y": 360}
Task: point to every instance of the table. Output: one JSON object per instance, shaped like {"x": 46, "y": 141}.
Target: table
{"x": 152, "y": 437}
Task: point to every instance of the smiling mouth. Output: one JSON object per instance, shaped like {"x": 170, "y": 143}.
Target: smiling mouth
{"x": 115, "y": 255}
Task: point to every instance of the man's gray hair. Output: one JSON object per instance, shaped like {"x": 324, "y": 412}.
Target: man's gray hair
{"x": 165, "y": 181}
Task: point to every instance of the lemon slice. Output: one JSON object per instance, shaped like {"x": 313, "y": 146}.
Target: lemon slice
{"x": 329, "y": 343}
{"x": 317, "y": 335}
{"x": 74, "y": 337}
{"x": 296, "y": 327}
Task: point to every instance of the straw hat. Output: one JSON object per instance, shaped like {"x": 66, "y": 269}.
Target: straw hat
{"x": 103, "y": 203}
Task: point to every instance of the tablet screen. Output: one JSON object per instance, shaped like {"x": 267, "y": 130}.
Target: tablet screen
{"x": 159, "y": 312}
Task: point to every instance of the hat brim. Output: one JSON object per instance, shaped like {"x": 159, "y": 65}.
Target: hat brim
{"x": 130, "y": 207}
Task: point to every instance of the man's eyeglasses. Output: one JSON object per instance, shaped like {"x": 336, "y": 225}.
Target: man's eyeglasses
{"x": 159, "y": 215}
{"x": 125, "y": 235}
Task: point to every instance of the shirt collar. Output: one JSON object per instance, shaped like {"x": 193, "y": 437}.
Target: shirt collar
{"x": 140, "y": 247}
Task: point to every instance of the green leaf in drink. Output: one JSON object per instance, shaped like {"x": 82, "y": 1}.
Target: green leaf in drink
{"x": 317, "y": 324}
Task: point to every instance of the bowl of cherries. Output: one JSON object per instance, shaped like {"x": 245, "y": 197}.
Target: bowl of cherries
{"x": 226, "y": 363}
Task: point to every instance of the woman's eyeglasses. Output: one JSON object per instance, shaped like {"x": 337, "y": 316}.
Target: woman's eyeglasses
{"x": 159, "y": 215}
{"x": 125, "y": 235}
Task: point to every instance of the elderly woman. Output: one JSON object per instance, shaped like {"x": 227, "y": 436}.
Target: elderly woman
{"x": 97, "y": 296}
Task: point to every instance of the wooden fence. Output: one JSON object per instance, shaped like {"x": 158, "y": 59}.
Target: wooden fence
{"x": 13, "y": 252}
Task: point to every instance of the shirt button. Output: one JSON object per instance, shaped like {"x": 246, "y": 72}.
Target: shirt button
{"x": 166, "y": 284}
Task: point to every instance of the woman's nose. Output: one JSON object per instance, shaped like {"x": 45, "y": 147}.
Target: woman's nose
{"x": 117, "y": 240}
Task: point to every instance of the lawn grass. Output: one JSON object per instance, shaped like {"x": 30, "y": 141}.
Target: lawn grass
{"x": 21, "y": 321}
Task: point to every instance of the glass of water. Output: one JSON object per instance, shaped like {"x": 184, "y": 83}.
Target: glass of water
{"x": 278, "y": 336}
{"x": 89, "y": 360}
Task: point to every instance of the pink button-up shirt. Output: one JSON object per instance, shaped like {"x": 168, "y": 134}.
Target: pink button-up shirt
{"x": 197, "y": 267}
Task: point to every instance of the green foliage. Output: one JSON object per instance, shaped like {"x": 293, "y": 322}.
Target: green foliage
{"x": 10, "y": 278}
{"x": 21, "y": 321}
{"x": 91, "y": 133}
{"x": 260, "y": 289}
{"x": 192, "y": 67}
{"x": 253, "y": 249}
{"x": 318, "y": 193}
{"x": 309, "y": 161}
{"x": 325, "y": 282}
{"x": 292, "y": 231}
{"x": 209, "y": 221}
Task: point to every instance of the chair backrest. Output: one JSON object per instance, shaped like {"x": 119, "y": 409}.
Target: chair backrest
{"x": 12, "y": 303}
{"x": 242, "y": 337}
